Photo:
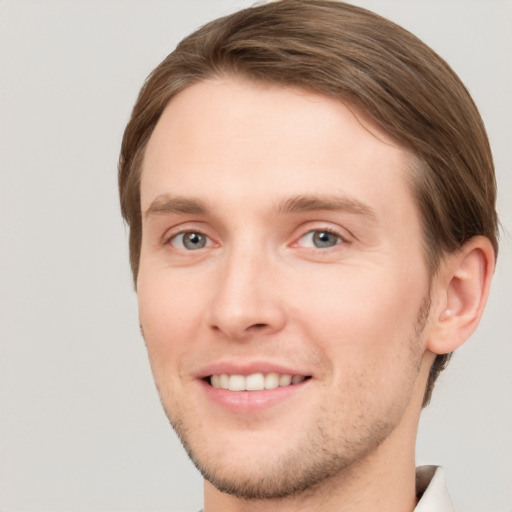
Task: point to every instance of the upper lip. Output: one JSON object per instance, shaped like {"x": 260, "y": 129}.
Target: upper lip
{"x": 248, "y": 368}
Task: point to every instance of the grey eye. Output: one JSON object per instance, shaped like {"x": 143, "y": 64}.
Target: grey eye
{"x": 320, "y": 239}
{"x": 190, "y": 241}
{"x": 323, "y": 239}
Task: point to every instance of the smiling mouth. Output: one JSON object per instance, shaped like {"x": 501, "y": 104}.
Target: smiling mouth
{"x": 255, "y": 381}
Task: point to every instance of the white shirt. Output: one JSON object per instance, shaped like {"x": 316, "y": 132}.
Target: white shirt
{"x": 431, "y": 486}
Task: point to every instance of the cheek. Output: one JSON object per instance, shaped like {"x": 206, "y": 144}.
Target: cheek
{"x": 366, "y": 331}
{"x": 169, "y": 313}
{"x": 364, "y": 318}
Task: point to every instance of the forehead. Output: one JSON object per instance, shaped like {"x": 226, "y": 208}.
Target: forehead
{"x": 229, "y": 137}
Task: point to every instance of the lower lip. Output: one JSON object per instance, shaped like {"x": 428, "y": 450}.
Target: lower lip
{"x": 251, "y": 401}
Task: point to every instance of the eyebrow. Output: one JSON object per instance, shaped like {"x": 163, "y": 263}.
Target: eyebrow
{"x": 307, "y": 203}
{"x": 166, "y": 204}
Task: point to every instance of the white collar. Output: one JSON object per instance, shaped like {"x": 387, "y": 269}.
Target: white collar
{"x": 431, "y": 486}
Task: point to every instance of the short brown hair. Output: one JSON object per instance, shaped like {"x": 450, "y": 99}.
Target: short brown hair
{"x": 344, "y": 52}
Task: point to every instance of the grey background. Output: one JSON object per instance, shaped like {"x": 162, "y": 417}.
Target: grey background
{"x": 81, "y": 428}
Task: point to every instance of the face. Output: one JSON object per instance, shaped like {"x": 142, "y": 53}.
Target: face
{"x": 282, "y": 284}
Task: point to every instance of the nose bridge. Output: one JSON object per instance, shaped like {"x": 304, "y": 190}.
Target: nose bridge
{"x": 245, "y": 299}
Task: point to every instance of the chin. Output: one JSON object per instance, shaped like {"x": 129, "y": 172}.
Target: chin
{"x": 286, "y": 475}
{"x": 267, "y": 470}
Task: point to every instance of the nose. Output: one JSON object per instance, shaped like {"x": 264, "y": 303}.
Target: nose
{"x": 247, "y": 301}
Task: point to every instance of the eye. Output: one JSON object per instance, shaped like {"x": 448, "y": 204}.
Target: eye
{"x": 320, "y": 239}
{"x": 189, "y": 241}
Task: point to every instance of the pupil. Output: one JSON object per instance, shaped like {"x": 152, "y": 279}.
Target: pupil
{"x": 324, "y": 239}
{"x": 194, "y": 241}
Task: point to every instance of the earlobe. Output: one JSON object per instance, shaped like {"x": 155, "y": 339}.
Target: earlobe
{"x": 462, "y": 289}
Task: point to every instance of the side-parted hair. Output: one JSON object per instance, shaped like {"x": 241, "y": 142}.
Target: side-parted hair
{"x": 365, "y": 61}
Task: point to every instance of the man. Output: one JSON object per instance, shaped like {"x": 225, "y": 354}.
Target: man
{"x": 311, "y": 201}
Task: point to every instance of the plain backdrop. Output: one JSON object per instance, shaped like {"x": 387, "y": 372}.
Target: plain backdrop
{"x": 81, "y": 427}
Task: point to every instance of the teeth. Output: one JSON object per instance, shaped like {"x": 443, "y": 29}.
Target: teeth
{"x": 255, "y": 381}
{"x": 236, "y": 383}
{"x": 297, "y": 379}
{"x": 224, "y": 381}
{"x": 271, "y": 381}
{"x": 285, "y": 380}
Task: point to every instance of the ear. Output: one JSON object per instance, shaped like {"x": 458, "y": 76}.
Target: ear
{"x": 461, "y": 289}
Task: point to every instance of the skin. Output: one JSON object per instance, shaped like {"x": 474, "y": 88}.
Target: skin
{"x": 228, "y": 160}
